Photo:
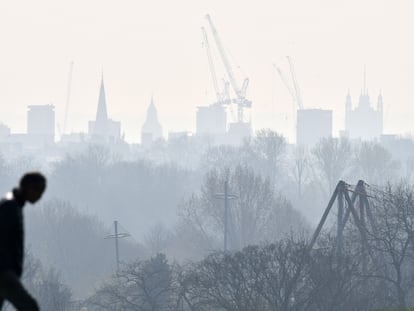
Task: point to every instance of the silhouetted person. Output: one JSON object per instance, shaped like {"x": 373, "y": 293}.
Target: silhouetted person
{"x": 31, "y": 188}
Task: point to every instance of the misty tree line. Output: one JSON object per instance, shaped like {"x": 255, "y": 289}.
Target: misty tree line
{"x": 165, "y": 197}
{"x": 284, "y": 275}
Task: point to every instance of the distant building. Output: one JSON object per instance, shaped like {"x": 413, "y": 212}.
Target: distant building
{"x": 73, "y": 138}
{"x": 211, "y": 121}
{"x": 151, "y": 130}
{"x": 40, "y": 125}
{"x": 4, "y": 132}
{"x": 364, "y": 122}
{"x": 179, "y": 136}
{"x": 238, "y": 132}
{"x": 103, "y": 129}
{"x": 312, "y": 125}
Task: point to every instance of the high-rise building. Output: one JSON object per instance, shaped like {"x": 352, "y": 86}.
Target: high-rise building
{"x": 211, "y": 121}
{"x": 103, "y": 129}
{"x": 4, "y": 132}
{"x": 364, "y": 122}
{"x": 41, "y": 124}
{"x": 151, "y": 130}
{"x": 312, "y": 125}
{"x": 238, "y": 132}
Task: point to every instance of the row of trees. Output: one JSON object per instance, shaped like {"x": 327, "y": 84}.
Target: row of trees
{"x": 307, "y": 176}
{"x": 261, "y": 213}
{"x": 285, "y": 275}
{"x": 169, "y": 207}
{"x": 75, "y": 243}
{"x": 127, "y": 186}
{"x": 257, "y": 214}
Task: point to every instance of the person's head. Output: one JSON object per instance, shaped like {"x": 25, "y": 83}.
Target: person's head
{"x": 32, "y": 185}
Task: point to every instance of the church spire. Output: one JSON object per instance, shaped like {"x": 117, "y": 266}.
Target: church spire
{"x": 380, "y": 103}
{"x": 364, "y": 100}
{"x": 101, "y": 113}
{"x": 103, "y": 129}
{"x": 151, "y": 130}
{"x": 152, "y": 115}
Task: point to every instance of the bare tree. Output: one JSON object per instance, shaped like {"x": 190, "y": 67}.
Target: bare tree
{"x": 221, "y": 157}
{"x": 408, "y": 168}
{"x": 394, "y": 240}
{"x": 256, "y": 215}
{"x": 255, "y": 278}
{"x": 47, "y": 286}
{"x": 331, "y": 158}
{"x": 299, "y": 168}
{"x": 157, "y": 239}
{"x": 266, "y": 153}
{"x": 374, "y": 163}
{"x": 140, "y": 285}
{"x": 56, "y": 231}
{"x": 340, "y": 281}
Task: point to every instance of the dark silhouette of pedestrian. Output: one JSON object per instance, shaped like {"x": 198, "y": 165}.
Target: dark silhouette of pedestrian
{"x": 31, "y": 187}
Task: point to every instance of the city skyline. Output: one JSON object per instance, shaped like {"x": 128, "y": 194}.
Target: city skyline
{"x": 146, "y": 53}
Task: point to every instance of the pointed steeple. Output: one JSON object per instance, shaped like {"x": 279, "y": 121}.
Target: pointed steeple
{"x": 103, "y": 129}
{"x": 364, "y": 101}
{"x": 152, "y": 114}
{"x": 101, "y": 113}
{"x": 380, "y": 103}
{"x": 100, "y": 125}
{"x": 151, "y": 125}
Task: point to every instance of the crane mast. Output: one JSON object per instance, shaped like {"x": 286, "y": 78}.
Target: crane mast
{"x": 223, "y": 56}
{"x": 241, "y": 101}
{"x": 211, "y": 65}
{"x": 286, "y": 83}
{"x": 295, "y": 83}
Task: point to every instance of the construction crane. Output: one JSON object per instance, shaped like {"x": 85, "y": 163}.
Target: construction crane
{"x": 240, "y": 100}
{"x": 295, "y": 83}
{"x": 68, "y": 93}
{"x": 211, "y": 65}
{"x": 227, "y": 98}
{"x": 285, "y": 82}
{"x": 293, "y": 90}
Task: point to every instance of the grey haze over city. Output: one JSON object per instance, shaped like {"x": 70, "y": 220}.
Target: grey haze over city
{"x": 155, "y": 48}
{"x": 208, "y": 155}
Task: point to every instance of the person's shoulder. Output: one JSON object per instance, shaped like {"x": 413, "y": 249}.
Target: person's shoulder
{"x": 9, "y": 213}
{"x": 7, "y": 202}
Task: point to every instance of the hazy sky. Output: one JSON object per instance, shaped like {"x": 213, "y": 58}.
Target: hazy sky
{"x": 147, "y": 47}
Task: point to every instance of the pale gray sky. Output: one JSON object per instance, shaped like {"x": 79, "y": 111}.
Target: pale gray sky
{"x": 155, "y": 47}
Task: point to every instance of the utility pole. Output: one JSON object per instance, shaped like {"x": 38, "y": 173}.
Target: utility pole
{"x": 116, "y": 245}
{"x": 225, "y": 197}
{"x": 117, "y": 236}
